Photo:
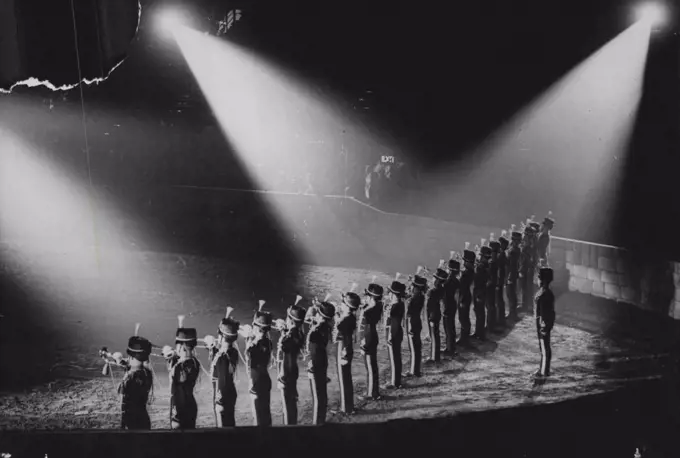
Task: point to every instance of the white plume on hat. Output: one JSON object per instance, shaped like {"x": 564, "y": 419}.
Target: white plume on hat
{"x": 452, "y": 254}
{"x": 298, "y": 298}
{"x": 229, "y": 310}
{"x": 504, "y": 233}
{"x": 180, "y": 320}
{"x": 374, "y": 278}
{"x": 262, "y": 302}
{"x": 354, "y": 287}
{"x": 441, "y": 263}
{"x": 137, "y": 326}
{"x": 419, "y": 270}
{"x": 328, "y": 296}
{"x": 467, "y": 245}
{"x": 512, "y": 228}
{"x": 397, "y": 276}
{"x": 491, "y": 237}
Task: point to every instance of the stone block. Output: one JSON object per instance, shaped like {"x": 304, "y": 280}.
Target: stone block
{"x": 586, "y": 287}
{"x": 584, "y": 253}
{"x": 574, "y": 283}
{"x": 630, "y": 295}
{"x": 621, "y": 266}
{"x": 624, "y": 280}
{"x": 593, "y": 256}
{"x": 569, "y": 256}
{"x": 580, "y": 271}
{"x": 593, "y": 274}
{"x": 612, "y": 291}
{"x": 609, "y": 277}
{"x": 598, "y": 288}
{"x": 558, "y": 255}
{"x": 606, "y": 264}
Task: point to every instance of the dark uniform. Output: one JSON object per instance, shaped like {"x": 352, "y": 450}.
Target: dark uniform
{"x": 544, "y": 313}
{"x": 502, "y": 278}
{"x": 395, "y": 331}
{"x": 535, "y": 261}
{"x": 317, "y": 368}
{"x": 224, "y": 362}
{"x": 466, "y": 281}
{"x": 543, "y": 240}
{"x": 479, "y": 291}
{"x": 491, "y": 286}
{"x": 414, "y": 324}
{"x": 513, "y": 265}
{"x": 368, "y": 322}
{"x": 136, "y": 385}
{"x": 343, "y": 336}
{"x": 289, "y": 348}
{"x": 433, "y": 305}
{"x": 258, "y": 357}
{"x": 451, "y": 288}
{"x": 526, "y": 268}
{"x": 184, "y": 374}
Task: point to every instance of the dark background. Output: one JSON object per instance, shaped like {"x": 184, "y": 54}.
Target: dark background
{"x": 442, "y": 76}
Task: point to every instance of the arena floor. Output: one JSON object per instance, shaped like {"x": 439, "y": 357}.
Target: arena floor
{"x": 59, "y": 384}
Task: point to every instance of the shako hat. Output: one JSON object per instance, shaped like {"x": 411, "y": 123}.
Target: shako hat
{"x": 397, "y": 287}
{"x": 418, "y": 280}
{"x": 545, "y": 274}
{"x": 469, "y": 256}
{"x": 184, "y": 335}
{"x": 441, "y": 274}
{"x": 549, "y": 221}
{"x": 516, "y": 236}
{"x": 326, "y": 310}
{"x": 139, "y": 347}
{"x": 228, "y": 326}
{"x": 535, "y": 226}
{"x": 296, "y": 312}
{"x": 261, "y": 318}
{"x": 453, "y": 265}
{"x": 374, "y": 289}
{"x": 351, "y": 298}
{"x": 495, "y": 246}
{"x": 485, "y": 251}
{"x": 503, "y": 240}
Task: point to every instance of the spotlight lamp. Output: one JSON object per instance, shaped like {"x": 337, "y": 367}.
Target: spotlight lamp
{"x": 654, "y": 13}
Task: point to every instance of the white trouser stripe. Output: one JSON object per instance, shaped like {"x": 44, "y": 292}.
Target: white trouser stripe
{"x": 316, "y": 401}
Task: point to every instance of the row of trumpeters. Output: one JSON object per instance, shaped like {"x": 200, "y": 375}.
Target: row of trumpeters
{"x": 323, "y": 317}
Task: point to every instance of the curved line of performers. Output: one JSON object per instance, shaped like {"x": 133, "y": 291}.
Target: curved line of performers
{"x": 502, "y": 268}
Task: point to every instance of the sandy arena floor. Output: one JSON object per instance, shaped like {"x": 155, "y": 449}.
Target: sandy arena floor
{"x": 490, "y": 375}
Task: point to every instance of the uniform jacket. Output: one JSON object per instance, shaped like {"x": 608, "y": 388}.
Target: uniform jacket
{"x": 513, "y": 260}
{"x": 466, "y": 280}
{"x": 433, "y": 304}
{"x": 345, "y": 327}
{"x": 502, "y": 269}
{"x": 258, "y": 357}
{"x": 492, "y": 281}
{"x": 395, "y": 331}
{"x": 291, "y": 344}
{"x": 370, "y": 317}
{"x": 544, "y": 306}
{"x": 317, "y": 343}
{"x": 525, "y": 260}
{"x": 224, "y": 366}
{"x": 183, "y": 376}
{"x": 135, "y": 388}
{"x": 481, "y": 277}
{"x": 451, "y": 289}
{"x": 414, "y": 310}
{"x": 543, "y": 246}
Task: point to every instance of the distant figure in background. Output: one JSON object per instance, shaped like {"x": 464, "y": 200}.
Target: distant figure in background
{"x": 544, "y": 313}
{"x": 258, "y": 356}
{"x": 136, "y": 385}
{"x": 371, "y": 313}
{"x": 502, "y": 278}
{"x": 374, "y": 183}
{"x": 466, "y": 281}
{"x": 317, "y": 368}
{"x": 433, "y": 304}
{"x": 513, "y": 256}
{"x": 224, "y": 362}
{"x": 184, "y": 369}
{"x": 343, "y": 335}
{"x": 543, "y": 241}
{"x": 414, "y": 323}
{"x": 395, "y": 332}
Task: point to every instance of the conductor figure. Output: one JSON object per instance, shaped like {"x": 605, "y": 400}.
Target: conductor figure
{"x": 544, "y": 313}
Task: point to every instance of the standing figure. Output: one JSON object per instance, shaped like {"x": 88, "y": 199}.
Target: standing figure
{"x": 525, "y": 268}
{"x": 433, "y": 305}
{"x": 479, "y": 291}
{"x": 258, "y": 356}
{"x": 536, "y": 263}
{"x": 317, "y": 367}
{"x": 224, "y": 362}
{"x": 343, "y": 336}
{"x": 543, "y": 241}
{"x": 137, "y": 383}
{"x": 289, "y": 349}
{"x": 544, "y": 313}
{"x": 414, "y": 322}
{"x": 370, "y": 314}
{"x": 513, "y": 265}
{"x": 184, "y": 369}
{"x": 466, "y": 280}
{"x": 491, "y": 285}
{"x": 502, "y": 278}
{"x": 451, "y": 298}
{"x": 395, "y": 331}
